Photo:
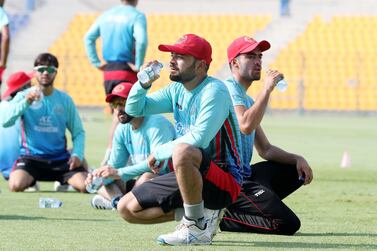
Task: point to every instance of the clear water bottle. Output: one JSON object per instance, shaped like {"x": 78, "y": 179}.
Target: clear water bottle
{"x": 149, "y": 72}
{"x": 36, "y": 104}
{"x": 96, "y": 184}
{"x": 282, "y": 85}
{"x": 49, "y": 203}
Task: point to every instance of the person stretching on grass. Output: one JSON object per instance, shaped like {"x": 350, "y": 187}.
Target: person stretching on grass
{"x": 134, "y": 140}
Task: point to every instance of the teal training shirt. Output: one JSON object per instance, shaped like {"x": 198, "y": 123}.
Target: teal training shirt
{"x": 3, "y": 18}
{"x": 123, "y": 30}
{"x": 43, "y": 129}
{"x": 10, "y": 139}
{"x": 240, "y": 97}
{"x": 132, "y": 147}
{"x": 204, "y": 118}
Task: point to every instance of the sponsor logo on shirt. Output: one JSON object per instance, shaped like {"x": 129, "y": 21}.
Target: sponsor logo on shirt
{"x": 180, "y": 129}
{"x": 45, "y": 125}
{"x": 178, "y": 106}
{"x": 260, "y": 192}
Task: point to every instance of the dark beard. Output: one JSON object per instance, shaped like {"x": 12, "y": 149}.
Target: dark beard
{"x": 187, "y": 77}
{"x": 124, "y": 118}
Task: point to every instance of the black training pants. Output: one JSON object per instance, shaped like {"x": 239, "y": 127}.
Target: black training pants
{"x": 259, "y": 207}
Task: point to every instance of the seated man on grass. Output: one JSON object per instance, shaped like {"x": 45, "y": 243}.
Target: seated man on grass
{"x": 134, "y": 139}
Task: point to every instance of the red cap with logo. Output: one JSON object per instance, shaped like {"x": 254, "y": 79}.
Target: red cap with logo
{"x": 190, "y": 44}
{"x": 121, "y": 90}
{"x": 15, "y": 82}
{"x": 245, "y": 44}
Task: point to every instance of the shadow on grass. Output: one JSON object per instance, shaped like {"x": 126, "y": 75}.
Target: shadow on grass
{"x": 293, "y": 245}
{"x": 37, "y": 218}
{"x": 336, "y": 234}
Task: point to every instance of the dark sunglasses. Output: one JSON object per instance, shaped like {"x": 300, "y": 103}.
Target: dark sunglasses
{"x": 43, "y": 68}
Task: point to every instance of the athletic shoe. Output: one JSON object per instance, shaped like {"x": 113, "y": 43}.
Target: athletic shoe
{"x": 214, "y": 218}
{"x": 187, "y": 233}
{"x": 58, "y": 187}
{"x": 100, "y": 202}
{"x": 34, "y": 188}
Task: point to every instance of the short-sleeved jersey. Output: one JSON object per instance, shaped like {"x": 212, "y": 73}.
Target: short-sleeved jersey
{"x": 240, "y": 97}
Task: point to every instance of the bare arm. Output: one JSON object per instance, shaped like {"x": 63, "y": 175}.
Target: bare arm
{"x": 274, "y": 153}
{"x": 5, "y": 42}
{"x": 249, "y": 119}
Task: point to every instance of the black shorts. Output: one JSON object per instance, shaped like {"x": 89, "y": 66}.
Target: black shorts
{"x": 116, "y": 73}
{"x": 47, "y": 170}
{"x": 220, "y": 189}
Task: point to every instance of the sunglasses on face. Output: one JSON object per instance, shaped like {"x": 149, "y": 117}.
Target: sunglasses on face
{"x": 117, "y": 103}
{"x": 43, "y": 68}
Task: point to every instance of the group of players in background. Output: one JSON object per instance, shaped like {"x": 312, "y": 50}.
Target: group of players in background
{"x": 196, "y": 172}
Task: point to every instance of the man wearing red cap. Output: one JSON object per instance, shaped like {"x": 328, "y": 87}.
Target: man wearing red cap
{"x": 134, "y": 139}
{"x": 259, "y": 208}
{"x": 44, "y": 155}
{"x": 9, "y": 152}
{"x": 205, "y": 155}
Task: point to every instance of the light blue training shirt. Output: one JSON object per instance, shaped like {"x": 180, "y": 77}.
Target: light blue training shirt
{"x": 123, "y": 30}
{"x": 240, "y": 97}
{"x": 3, "y": 18}
{"x": 204, "y": 118}
{"x": 10, "y": 139}
{"x": 131, "y": 148}
{"x": 43, "y": 129}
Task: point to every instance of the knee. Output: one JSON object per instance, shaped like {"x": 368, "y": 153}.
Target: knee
{"x": 184, "y": 154}
{"x": 15, "y": 186}
{"x": 125, "y": 209}
{"x": 295, "y": 226}
{"x": 290, "y": 227}
{"x": 81, "y": 189}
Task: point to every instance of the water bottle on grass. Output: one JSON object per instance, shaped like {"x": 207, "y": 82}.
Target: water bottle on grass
{"x": 49, "y": 203}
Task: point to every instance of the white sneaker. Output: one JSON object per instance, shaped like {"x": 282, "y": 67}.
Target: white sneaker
{"x": 214, "y": 218}
{"x": 58, "y": 187}
{"x": 100, "y": 202}
{"x": 187, "y": 233}
{"x": 34, "y": 188}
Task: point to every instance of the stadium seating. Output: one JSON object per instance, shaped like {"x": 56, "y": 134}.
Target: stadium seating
{"x": 332, "y": 64}
{"x": 84, "y": 83}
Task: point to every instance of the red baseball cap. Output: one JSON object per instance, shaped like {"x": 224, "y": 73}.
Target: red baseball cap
{"x": 190, "y": 44}
{"x": 245, "y": 44}
{"x": 121, "y": 90}
{"x": 15, "y": 82}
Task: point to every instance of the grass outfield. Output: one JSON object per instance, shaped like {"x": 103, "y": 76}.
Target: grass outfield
{"x": 337, "y": 211}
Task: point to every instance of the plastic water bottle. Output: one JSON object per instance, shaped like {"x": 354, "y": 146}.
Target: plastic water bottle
{"x": 282, "y": 85}
{"x": 149, "y": 72}
{"x": 36, "y": 104}
{"x": 49, "y": 203}
{"x": 96, "y": 184}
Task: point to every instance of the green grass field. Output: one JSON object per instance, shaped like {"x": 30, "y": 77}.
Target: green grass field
{"x": 338, "y": 210}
